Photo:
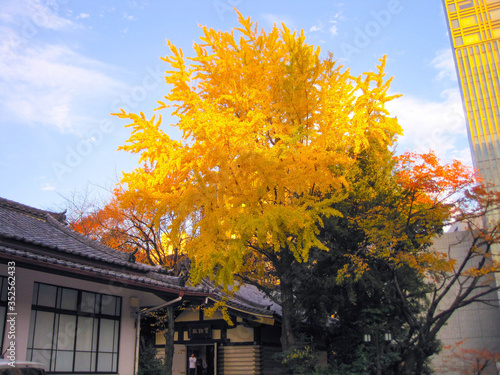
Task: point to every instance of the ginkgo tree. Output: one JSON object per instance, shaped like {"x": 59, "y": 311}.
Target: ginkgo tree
{"x": 270, "y": 127}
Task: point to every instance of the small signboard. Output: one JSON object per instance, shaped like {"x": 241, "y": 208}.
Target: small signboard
{"x": 200, "y": 332}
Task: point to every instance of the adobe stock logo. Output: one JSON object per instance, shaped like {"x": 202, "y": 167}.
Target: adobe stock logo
{"x": 75, "y": 155}
{"x": 44, "y": 15}
{"x": 363, "y": 36}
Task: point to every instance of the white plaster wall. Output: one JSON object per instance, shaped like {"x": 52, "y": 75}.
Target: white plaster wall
{"x": 180, "y": 366}
{"x": 25, "y": 279}
{"x": 189, "y": 315}
{"x": 240, "y": 333}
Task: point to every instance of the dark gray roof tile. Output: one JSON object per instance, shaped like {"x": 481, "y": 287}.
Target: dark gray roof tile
{"x": 53, "y": 242}
{"x": 47, "y": 230}
{"x": 42, "y": 228}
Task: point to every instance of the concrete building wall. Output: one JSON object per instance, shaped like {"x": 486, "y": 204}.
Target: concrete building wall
{"x": 476, "y": 327}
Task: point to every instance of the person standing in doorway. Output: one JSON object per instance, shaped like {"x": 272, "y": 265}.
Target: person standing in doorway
{"x": 192, "y": 365}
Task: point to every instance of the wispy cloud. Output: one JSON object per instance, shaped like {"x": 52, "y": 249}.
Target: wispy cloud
{"x": 47, "y": 187}
{"x": 437, "y": 125}
{"x": 48, "y": 84}
{"x": 428, "y": 125}
{"x": 316, "y": 27}
{"x": 136, "y": 5}
{"x": 331, "y": 30}
{"x": 34, "y": 14}
{"x": 82, "y": 16}
{"x": 106, "y": 10}
{"x": 129, "y": 17}
{"x": 43, "y": 184}
{"x": 445, "y": 65}
{"x": 276, "y": 19}
{"x": 334, "y": 30}
{"x": 45, "y": 84}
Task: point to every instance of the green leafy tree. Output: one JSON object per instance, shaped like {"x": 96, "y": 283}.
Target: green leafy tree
{"x": 149, "y": 363}
{"x": 388, "y": 225}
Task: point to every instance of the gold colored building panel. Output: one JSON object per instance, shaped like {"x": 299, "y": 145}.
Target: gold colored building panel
{"x": 468, "y": 21}
{"x": 475, "y": 38}
{"x": 494, "y": 14}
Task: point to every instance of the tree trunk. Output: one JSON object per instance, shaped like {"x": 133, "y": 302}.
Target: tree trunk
{"x": 409, "y": 363}
{"x": 169, "y": 341}
{"x": 413, "y": 362}
{"x": 287, "y": 337}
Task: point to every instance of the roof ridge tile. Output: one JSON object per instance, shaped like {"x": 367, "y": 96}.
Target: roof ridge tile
{"x": 59, "y": 216}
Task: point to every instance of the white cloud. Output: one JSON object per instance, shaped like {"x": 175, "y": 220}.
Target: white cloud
{"x": 82, "y": 16}
{"x": 444, "y": 63}
{"x": 438, "y": 126}
{"x": 47, "y": 187}
{"x": 105, "y": 10}
{"x": 275, "y": 19}
{"x": 45, "y": 84}
{"x": 48, "y": 84}
{"x": 129, "y": 17}
{"x": 33, "y": 14}
{"x": 333, "y": 30}
{"x": 135, "y": 5}
{"x": 44, "y": 185}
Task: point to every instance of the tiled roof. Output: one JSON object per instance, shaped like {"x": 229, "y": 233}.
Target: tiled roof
{"x": 248, "y": 298}
{"x": 37, "y": 227}
{"x": 147, "y": 279}
{"x": 43, "y": 236}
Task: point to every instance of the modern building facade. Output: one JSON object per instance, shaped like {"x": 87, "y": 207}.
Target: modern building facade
{"x": 471, "y": 336}
{"x": 474, "y": 27}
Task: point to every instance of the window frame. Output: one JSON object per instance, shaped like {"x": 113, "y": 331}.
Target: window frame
{"x": 77, "y": 313}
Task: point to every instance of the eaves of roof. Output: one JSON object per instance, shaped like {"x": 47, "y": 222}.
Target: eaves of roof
{"x": 260, "y": 306}
{"x": 95, "y": 273}
{"x": 41, "y": 240}
{"x": 49, "y": 235}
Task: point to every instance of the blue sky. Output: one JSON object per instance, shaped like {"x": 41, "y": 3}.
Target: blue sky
{"x": 65, "y": 65}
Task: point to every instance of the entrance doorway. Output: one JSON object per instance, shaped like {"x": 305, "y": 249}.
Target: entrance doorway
{"x": 205, "y": 358}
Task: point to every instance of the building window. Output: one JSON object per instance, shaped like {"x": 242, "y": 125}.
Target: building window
{"x": 3, "y": 309}
{"x": 495, "y": 14}
{"x": 472, "y": 38}
{"x": 74, "y": 330}
{"x": 468, "y": 21}
{"x": 465, "y": 4}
